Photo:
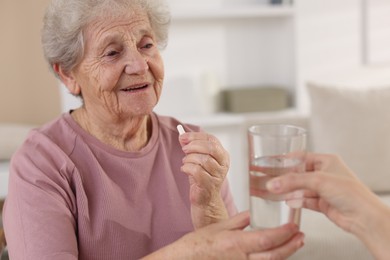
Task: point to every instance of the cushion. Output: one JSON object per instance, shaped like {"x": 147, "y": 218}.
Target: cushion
{"x": 355, "y": 124}
{"x": 326, "y": 241}
{"x": 11, "y": 137}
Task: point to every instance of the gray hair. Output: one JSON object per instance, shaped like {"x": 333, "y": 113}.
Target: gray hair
{"x": 64, "y": 21}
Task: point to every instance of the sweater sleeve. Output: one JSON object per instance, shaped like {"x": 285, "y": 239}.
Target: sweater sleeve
{"x": 39, "y": 212}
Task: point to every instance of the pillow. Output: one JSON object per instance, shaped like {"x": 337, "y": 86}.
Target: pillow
{"x": 355, "y": 124}
{"x": 11, "y": 137}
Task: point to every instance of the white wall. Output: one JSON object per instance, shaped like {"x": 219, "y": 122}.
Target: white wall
{"x": 226, "y": 44}
{"x": 328, "y": 39}
{"x": 377, "y": 41}
{"x": 335, "y": 36}
{"x": 320, "y": 38}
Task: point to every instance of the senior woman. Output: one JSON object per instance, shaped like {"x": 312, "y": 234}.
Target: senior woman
{"x": 112, "y": 179}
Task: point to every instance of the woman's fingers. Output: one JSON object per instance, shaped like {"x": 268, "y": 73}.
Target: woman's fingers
{"x": 268, "y": 239}
{"x": 206, "y": 161}
{"x": 197, "y": 162}
{"x": 203, "y": 143}
{"x": 259, "y": 244}
{"x": 228, "y": 240}
{"x": 282, "y": 251}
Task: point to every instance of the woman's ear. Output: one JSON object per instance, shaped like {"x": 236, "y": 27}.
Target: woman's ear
{"x": 68, "y": 79}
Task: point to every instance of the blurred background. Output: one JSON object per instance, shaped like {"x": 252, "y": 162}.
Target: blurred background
{"x": 28, "y": 92}
{"x": 220, "y": 52}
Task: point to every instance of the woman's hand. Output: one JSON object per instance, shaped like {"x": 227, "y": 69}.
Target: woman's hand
{"x": 331, "y": 187}
{"x": 228, "y": 240}
{"x": 206, "y": 163}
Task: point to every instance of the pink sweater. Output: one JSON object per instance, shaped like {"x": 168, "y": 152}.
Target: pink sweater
{"x": 74, "y": 197}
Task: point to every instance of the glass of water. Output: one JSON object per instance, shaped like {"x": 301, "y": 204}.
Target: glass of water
{"x": 274, "y": 150}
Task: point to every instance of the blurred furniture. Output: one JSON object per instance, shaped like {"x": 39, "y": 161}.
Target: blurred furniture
{"x": 349, "y": 116}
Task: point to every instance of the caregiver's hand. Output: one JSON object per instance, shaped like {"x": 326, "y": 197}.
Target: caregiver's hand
{"x": 333, "y": 189}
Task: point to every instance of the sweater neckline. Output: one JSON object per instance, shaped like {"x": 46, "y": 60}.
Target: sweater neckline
{"x": 92, "y": 140}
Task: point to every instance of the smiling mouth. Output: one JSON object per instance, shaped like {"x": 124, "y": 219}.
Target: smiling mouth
{"x": 133, "y": 89}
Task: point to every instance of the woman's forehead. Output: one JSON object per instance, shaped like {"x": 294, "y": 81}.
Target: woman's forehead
{"x": 105, "y": 27}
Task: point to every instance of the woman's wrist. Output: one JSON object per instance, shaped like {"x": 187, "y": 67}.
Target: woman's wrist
{"x": 192, "y": 245}
{"x": 176, "y": 250}
{"x": 203, "y": 215}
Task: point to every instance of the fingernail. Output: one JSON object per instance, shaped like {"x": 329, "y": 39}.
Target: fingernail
{"x": 295, "y": 203}
{"x": 273, "y": 185}
{"x": 298, "y": 194}
{"x": 184, "y": 138}
{"x": 185, "y": 148}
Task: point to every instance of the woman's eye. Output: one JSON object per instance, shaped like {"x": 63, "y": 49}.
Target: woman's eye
{"x": 148, "y": 46}
{"x": 111, "y": 53}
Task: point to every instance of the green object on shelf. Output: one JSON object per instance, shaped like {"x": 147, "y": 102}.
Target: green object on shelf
{"x": 260, "y": 99}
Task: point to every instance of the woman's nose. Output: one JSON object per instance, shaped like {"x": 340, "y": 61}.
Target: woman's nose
{"x": 137, "y": 64}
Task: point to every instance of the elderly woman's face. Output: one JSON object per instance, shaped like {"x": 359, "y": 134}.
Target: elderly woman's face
{"x": 121, "y": 73}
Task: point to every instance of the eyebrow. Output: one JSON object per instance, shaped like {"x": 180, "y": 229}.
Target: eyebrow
{"x": 107, "y": 40}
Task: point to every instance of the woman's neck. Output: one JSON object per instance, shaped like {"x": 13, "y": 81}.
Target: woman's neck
{"x": 128, "y": 135}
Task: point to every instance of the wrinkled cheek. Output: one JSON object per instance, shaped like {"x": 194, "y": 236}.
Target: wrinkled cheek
{"x": 157, "y": 68}
{"x": 158, "y": 90}
{"x": 105, "y": 97}
{"x": 112, "y": 104}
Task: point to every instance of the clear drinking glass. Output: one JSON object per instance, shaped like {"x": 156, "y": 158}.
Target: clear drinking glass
{"x": 274, "y": 149}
